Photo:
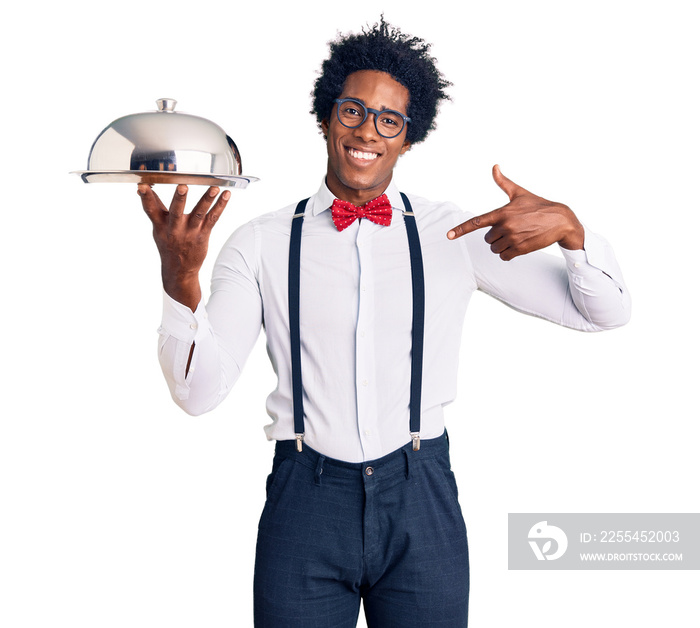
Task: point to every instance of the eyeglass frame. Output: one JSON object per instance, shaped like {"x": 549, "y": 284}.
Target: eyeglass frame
{"x": 369, "y": 110}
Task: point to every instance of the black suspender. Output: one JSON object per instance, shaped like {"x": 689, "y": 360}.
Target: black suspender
{"x": 417, "y": 331}
{"x": 294, "y": 275}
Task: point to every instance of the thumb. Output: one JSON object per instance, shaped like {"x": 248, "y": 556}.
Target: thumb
{"x": 503, "y": 182}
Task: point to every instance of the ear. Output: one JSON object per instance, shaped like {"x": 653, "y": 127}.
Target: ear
{"x": 324, "y": 127}
{"x": 406, "y": 147}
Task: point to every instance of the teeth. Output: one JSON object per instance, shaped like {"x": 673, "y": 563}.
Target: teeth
{"x": 360, "y": 155}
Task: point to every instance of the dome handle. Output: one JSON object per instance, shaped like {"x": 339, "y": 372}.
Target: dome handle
{"x": 166, "y": 104}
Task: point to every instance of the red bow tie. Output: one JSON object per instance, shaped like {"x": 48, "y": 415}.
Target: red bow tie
{"x": 345, "y": 213}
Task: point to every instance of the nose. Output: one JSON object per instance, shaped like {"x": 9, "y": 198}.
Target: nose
{"x": 368, "y": 129}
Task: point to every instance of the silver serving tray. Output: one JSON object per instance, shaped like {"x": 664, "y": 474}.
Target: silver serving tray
{"x": 152, "y": 177}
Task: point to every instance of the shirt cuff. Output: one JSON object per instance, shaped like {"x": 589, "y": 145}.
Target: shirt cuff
{"x": 179, "y": 321}
{"x": 595, "y": 256}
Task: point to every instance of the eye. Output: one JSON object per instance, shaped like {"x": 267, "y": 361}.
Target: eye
{"x": 389, "y": 121}
{"x": 349, "y": 110}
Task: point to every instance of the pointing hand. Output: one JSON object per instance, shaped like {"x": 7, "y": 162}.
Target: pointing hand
{"x": 527, "y": 223}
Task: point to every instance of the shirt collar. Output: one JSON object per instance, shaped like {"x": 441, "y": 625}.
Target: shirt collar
{"x": 323, "y": 199}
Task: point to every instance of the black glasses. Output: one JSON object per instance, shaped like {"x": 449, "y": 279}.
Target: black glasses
{"x": 352, "y": 113}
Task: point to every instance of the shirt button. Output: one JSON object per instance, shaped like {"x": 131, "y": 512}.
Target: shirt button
{"x": 577, "y": 265}
{"x": 193, "y": 326}
{"x": 365, "y": 382}
{"x": 362, "y": 334}
{"x": 369, "y": 471}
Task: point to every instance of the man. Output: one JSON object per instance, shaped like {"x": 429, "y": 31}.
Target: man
{"x": 362, "y": 293}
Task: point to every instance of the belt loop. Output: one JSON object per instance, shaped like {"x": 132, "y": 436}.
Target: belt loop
{"x": 319, "y": 470}
{"x": 408, "y": 463}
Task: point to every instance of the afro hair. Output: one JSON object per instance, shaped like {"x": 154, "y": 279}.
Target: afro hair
{"x": 386, "y": 49}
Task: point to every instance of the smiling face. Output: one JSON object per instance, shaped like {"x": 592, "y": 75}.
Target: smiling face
{"x": 360, "y": 161}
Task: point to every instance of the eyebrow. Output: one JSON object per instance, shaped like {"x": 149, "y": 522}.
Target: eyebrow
{"x": 384, "y": 107}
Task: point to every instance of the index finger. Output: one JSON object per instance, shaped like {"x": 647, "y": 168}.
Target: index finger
{"x": 489, "y": 219}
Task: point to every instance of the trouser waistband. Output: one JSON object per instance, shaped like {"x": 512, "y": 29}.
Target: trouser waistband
{"x": 429, "y": 448}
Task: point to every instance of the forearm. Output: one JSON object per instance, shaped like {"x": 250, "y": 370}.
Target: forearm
{"x": 198, "y": 371}
{"x": 202, "y": 350}
{"x": 584, "y": 291}
{"x": 193, "y": 365}
{"x": 596, "y": 285}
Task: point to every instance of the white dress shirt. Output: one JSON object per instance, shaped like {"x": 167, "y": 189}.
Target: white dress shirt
{"x": 356, "y": 318}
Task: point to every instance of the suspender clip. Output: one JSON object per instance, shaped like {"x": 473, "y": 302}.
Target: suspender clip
{"x": 300, "y": 438}
{"x": 415, "y": 437}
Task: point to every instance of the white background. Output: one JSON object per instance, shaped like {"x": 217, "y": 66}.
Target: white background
{"x": 117, "y": 509}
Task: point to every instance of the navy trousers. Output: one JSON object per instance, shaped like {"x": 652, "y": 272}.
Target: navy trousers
{"x": 389, "y": 532}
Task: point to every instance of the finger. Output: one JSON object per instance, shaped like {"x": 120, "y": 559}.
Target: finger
{"x": 528, "y": 245}
{"x": 177, "y": 205}
{"x": 215, "y": 212}
{"x": 503, "y": 182}
{"x": 493, "y": 234}
{"x": 508, "y": 254}
{"x": 521, "y": 247}
{"x": 202, "y": 207}
{"x": 499, "y": 246}
{"x": 478, "y": 222}
{"x": 151, "y": 203}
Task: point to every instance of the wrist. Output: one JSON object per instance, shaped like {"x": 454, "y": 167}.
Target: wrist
{"x": 573, "y": 242}
{"x": 183, "y": 288}
{"x": 575, "y": 236}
